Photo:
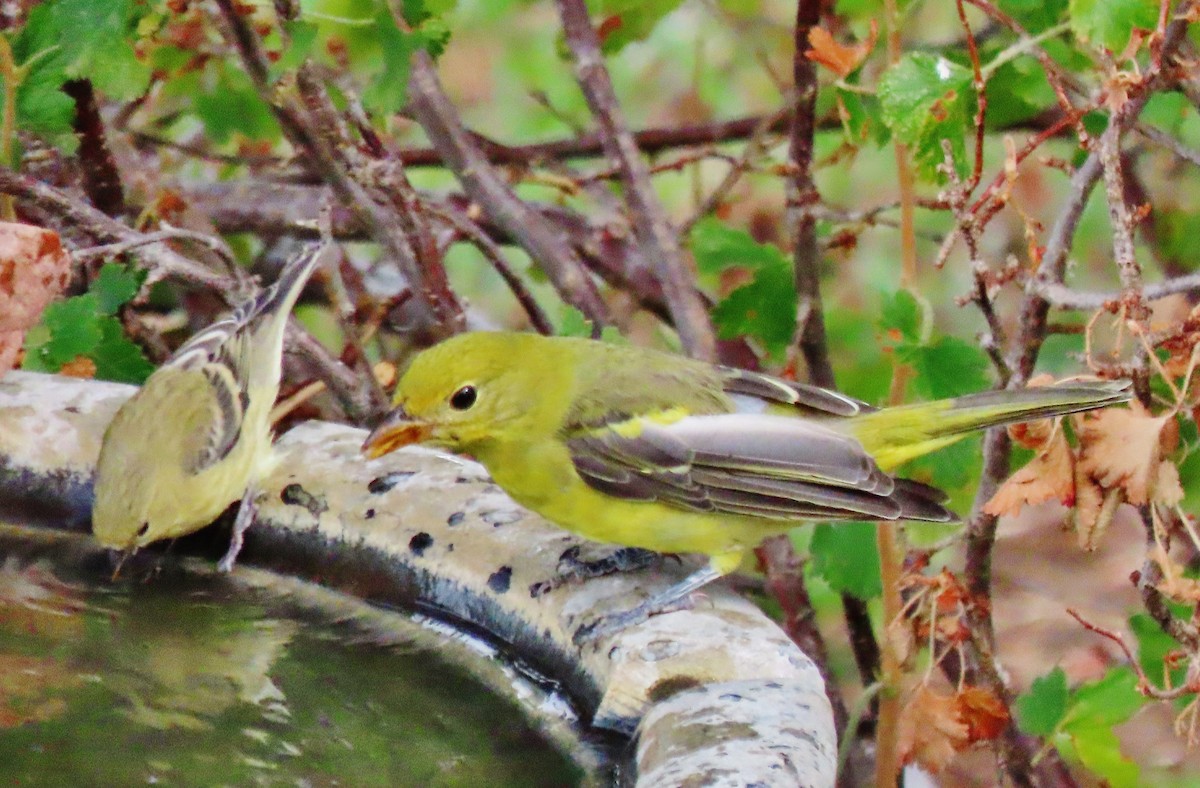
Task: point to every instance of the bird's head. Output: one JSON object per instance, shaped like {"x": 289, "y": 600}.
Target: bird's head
{"x": 475, "y": 388}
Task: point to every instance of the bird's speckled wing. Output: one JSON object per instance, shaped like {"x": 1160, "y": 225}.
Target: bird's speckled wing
{"x": 773, "y": 467}
{"x": 227, "y": 400}
{"x": 225, "y": 353}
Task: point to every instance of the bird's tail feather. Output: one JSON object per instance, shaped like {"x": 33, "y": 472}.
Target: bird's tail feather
{"x": 896, "y": 435}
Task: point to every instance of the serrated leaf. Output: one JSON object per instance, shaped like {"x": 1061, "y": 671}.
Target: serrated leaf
{"x": 234, "y": 106}
{"x": 847, "y": 557}
{"x": 718, "y": 247}
{"x": 1153, "y": 647}
{"x": 94, "y": 37}
{"x": 1110, "y": 701}
{"x": 1099, "y": 749}
{"x": 925, "y": 99}
{"x": 115, "y": 285}
{"x": 1041, "y": 708}
{"x": 116, "y": 357}
{"x": 42, "y": 107}
{"x": 899, "y": 312}
{"x": 387, "y": 91}
{"x": 626, "y": 21}
{"x": 764, "y": 309}
{"x": 947, "y": 367}
{"x": 1109, "y": 23}
{"x": 951, "y": 468}
{"x": 74, "y": 329}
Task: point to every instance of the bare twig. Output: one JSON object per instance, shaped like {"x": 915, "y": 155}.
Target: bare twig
{"x": 651, "y": 225}
{"x": 323, "y": 141}
{"x": 484, "y": 184}
{"x": 494, "y": 255}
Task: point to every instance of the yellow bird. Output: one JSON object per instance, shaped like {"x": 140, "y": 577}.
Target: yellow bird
{"x": 197, "y": 436}
{"x": 646, "y": 449}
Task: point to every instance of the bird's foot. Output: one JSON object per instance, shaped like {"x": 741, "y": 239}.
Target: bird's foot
{"x": 611, "y": 624}
{"x": 573, "y": 569}
{"x": 245, "y": 517}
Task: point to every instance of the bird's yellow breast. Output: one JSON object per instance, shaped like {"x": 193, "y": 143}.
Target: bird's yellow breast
{"x": 540, "y": 476}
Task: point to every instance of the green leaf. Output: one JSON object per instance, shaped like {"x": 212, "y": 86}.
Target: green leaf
{"x": 718, "y": 247}
{"x": 947, "y": 367}
{"x": 116, "y": 357}
{"x": 42, "y": 107}
{"x": 953, "y": 468}
{"x": 1109, "y": 701}
{"x": 233, "y": 106}
{"x": 847, "y": 557}
{"x": 387, "y": 92}
{"x": 1041, "y": 708}
{"x": 765, "y": 309}
{"x": 626, "y": 21}
{"x": 1099, "y": 749}
{"x": 1153, "y": 647}
{"x": 1034, "y": 15}
{"x": 900, "y": 312}
{"x": 116, "y": 285}
{"x": 74, "y": 329}
{"x": 302, "y": 38}
{"x": 95, "y": 39}
{"x": 1109, "y": 23}
{"x": 862, "y": 124}
{"x": 926, "y": 98}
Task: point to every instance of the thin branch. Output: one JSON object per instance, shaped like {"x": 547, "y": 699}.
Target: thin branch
{"x": 651, "y": 225}
{"x": 1062, "y": 297}
{"x": 322, "y": 143}
{"x": 484, "y": 184}
{"x": 492, "y": 253}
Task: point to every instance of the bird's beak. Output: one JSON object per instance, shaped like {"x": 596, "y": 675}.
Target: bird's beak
{"x": 396, "y": 431}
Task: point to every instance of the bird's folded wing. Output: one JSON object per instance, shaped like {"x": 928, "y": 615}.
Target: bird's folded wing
{"x": 755, "y": 465}
{"x": 223, "y": 400}
{"x": 769, "y": 389}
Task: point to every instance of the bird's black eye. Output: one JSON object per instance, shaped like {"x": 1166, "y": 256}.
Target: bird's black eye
{"x": 142, "y": 531}
{"x": 463, "y": 398}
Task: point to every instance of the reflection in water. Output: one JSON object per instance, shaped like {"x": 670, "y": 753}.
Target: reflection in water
{"x": 179, "y": 681}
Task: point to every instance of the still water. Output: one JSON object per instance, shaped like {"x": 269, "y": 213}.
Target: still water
{"x": 187, "y": 678}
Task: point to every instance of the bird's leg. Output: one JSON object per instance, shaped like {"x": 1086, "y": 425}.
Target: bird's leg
{"x": 674, "y": 598}
{"x": 245, "y": 516}
{"x": 573, "y": 569}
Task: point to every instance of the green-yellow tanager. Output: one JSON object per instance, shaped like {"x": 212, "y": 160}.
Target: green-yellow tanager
{"x": 197, "y": 436}
{"x": 642, "y": 448}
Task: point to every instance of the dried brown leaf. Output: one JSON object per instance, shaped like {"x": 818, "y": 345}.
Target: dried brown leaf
{"x": 931, "y": 729}
{"x": 34, "y": 269}
{"x": 79, "y": 367}
{"x": 984, "y": 714}
{"x": 841, "y": 59}
{"x": 1123, "y": 448}
{"x": 1174, "y": 585}
{"x": 1048, "y": 476}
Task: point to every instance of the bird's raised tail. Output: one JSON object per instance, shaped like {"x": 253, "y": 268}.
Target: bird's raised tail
{"x": 896, "y": 435}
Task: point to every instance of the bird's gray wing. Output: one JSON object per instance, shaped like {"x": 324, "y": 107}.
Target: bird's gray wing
{"x": 754, "y": 465}
{"x": 773, "y": 390}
